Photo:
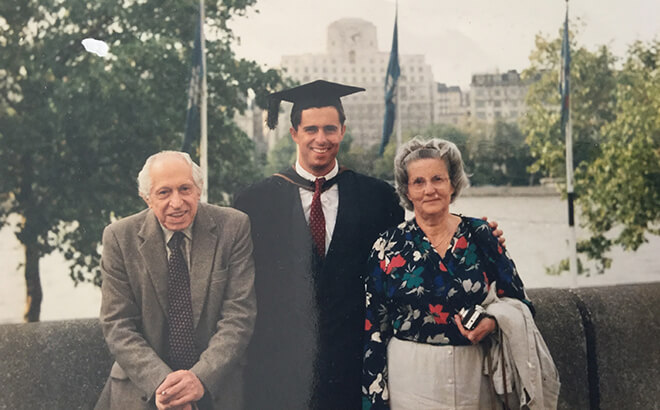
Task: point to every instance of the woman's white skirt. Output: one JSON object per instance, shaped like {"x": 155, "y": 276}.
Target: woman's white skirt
{"x": 423, "y": 376}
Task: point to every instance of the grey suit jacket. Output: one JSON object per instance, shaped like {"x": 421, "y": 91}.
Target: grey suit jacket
{"x": 134, "y": 305}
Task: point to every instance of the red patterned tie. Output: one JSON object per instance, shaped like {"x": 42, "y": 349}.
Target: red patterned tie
{"x": 317, "y": 220}
{"x": 183, "y": 354}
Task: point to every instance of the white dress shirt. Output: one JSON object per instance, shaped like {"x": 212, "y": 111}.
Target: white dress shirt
{"x": 186, "y": 244}
{"x": 329, "y": 200}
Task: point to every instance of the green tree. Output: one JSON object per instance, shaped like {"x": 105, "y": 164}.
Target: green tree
{"x": 499, "y": 155}
{"x": 593, "y": 87}
{"x": 351, "y": 156}
{"x": 619, "y": 191}
{"x": 465, "y": 142}
{"x": 75, "y": 128}
{"x": 366, "y": 159}
{"x": 617, "y": 140}
{"x": 282, "y": 155}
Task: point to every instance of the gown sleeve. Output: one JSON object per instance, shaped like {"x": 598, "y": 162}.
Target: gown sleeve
{"x": 377, "y": 332}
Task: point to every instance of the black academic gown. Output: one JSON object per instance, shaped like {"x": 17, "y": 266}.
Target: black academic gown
{"x": 306, "y": 352}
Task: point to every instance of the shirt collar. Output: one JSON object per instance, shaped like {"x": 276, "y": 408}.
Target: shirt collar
{"x": 168, "y": 234}
{"x": 310, "y": 177}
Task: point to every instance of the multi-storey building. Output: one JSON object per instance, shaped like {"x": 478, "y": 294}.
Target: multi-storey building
{"x": 496, "y": 97}
{"x": 352, "y": 57}
{"x": 450, "y": 105}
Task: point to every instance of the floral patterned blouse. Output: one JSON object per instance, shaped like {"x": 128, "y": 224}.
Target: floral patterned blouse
{"x": 412, "y": 293}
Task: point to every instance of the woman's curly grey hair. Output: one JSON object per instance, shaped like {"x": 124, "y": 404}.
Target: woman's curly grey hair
{"x": 419, "y": 148}
{"x": 144, "y": 177}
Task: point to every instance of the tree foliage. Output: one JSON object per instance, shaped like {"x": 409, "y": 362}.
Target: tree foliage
{"x": 282, "y": 155}
{"x": 616, "y": 129}
{"x": 620, "y": 189}
{"x": 76, "y": 128}
{"x": 499, "y": 155}
{"x": 593, "y": 85}
{"x": 493, "y": 154}
{"x": 350, "y": 155}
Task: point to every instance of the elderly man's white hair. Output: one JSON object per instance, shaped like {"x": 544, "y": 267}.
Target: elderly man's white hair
{"x": 144, "y": 177}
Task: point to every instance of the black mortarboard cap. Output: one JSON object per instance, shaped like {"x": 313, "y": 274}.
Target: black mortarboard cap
{"x": 319, "y": 93}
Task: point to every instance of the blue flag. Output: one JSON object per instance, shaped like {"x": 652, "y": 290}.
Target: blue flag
{"x": 565, "y": 77}
{"x": 194, "y": 93}
{"x": 391, "y": 78}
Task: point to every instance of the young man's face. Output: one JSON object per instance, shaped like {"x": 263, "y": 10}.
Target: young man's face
{"x": 318, "y": 137}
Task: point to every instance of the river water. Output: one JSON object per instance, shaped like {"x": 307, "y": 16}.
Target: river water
{"x": 535, "y": 228}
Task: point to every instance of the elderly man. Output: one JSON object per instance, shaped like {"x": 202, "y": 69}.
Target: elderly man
{"x": 178, "y": 304}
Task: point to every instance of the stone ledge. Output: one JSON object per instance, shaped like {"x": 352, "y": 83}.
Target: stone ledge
{"x": 603, "y": 341}
{"x": 52, "y": 365}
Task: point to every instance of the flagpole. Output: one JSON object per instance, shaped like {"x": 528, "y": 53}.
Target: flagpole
{"x": 397, "y": 118}
{"x": 572, "y": 239}
{"x": 397, "y": 107}
{"x": 203, "y": 143}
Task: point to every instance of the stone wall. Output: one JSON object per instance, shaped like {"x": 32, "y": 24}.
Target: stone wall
{"x": 604, "y": 341}
{"x": 52, "y": 365}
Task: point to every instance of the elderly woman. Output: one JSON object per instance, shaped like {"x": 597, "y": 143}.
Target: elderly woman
{"x": 420, "y": 275}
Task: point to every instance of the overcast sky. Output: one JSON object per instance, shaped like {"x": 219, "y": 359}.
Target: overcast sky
{"x": 458, "y": 38}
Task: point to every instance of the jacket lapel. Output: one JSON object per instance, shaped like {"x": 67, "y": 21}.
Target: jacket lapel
{"x": 204, "y": 246}
{"x": 152, "y": 250}
{"x": 347, "y": 226}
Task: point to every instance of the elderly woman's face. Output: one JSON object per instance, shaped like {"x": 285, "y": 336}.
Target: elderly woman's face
{"x": 429, "y": 187}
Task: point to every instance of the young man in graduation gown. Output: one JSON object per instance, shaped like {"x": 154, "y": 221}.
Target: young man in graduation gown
{"x": 313, "y": 226}
{"x": 311, "y": 241}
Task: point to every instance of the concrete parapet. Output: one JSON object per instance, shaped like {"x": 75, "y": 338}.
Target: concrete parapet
{"x": 623, "y": 333}
{"x": 603, "y": 341}
{"x": 52, "y": 365}
{"x": 560, "y": 322}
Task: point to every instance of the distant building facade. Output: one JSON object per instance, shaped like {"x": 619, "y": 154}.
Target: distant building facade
{"x": 450, "y": 105}
{"x": 497, "y": 97}
{"x": 352, "y": 57}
